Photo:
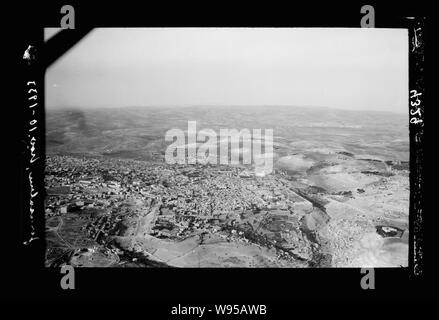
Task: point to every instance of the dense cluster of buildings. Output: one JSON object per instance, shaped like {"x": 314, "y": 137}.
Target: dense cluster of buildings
{"x": 190, "y": 198}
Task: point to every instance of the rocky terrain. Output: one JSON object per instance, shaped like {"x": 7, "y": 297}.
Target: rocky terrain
{"x": 222, "y": 216}
{"x": 338, "y": 195}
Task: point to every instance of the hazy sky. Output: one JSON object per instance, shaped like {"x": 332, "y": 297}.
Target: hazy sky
{"x": 343, "y": 68}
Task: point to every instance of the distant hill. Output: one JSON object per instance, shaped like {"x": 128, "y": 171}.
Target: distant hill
{"x": 136, "y": 132}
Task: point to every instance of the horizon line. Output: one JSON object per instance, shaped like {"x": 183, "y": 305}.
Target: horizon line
{"x": 52, "y": 108}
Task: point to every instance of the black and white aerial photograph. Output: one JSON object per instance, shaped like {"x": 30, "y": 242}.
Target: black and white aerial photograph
{"x": 227, "y": 147}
